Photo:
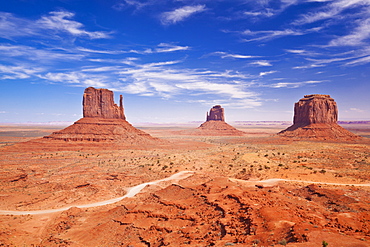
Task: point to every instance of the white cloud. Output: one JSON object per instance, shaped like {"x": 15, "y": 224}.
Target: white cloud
{"x": 127, "y": 3}
{"x": 270, "y": 34}
{"x": 60, "y": 21}
{"x": 33, "y": 54}
{"x": 77, "y": 78}
{"x": 292, "y": 84}
{"x": 267, "y": 72}
{"x": 262, "y": 63}
{"x": 1, "y": 112}
{"x": 228, "y": 55}
{"x": 164, "y": 47}
{"x": 359, "y": 36}
{"x": 296, "y": 51}
{"x": 332, "y": 10}
{"x": 56, "y": 21}
{"x": 112, "y": 52}
{"x": 359, "y": 61}
{"x": 17, "y": 72}
{"x": 259, "y": 13}
{"x": 356, "y": 110}
{"x": 181, "y": 14}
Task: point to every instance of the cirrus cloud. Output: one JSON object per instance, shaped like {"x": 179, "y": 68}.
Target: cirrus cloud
{"x": 180, "y": 14}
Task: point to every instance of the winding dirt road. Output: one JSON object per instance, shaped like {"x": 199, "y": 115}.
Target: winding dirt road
{"x": 131, "y": 192}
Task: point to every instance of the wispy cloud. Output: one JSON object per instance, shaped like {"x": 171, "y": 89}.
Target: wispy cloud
{"x": 56, "y": 22}
{"x": 228, "y": 55}
{"x": 270, "y": 34}
{"x": 358, "y": 37}
{"x": 77, "y": 78}
{"x": 357, "y": 110}
{"x": 61, "y": 21}
{"x": 267, "y": 13}
{"x": 162, "y": 79}
{"x": 17, "y": 72}
{"x": 292, "y": 84}
{"x": 180, "y": 14}
{"x": 160, "y": 48}
{"x": 130, "y": 3}
{"x": 262, "y": 63}
{"x": 34, "y": 54}
{"x": 332, "y": 10}
{"x": 267, "y": 72}
{"x": 165, "y": 47}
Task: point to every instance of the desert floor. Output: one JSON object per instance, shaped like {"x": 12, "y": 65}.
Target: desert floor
{"x": 320, "y": 193}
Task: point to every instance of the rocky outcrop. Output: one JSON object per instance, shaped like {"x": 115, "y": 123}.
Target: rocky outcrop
{"x": 103, "y": 121}
{"x": 99, "y": 103}
{"x": 315, "y": 117}
{"x": 215, "y": 124}
{"x": 216, "y": 114}
{"x": 315, "y": 108}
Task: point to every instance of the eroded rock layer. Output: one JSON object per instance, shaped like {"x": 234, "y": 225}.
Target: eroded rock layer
{"x": 103, "y": 121}
{"x": 218, "y": 128}
{"x": 215, "y": 124}
{"x": 100, "y": 129}
{"x": 216, "y": 114}
{"x": 315, "y": 117}
{"x": 99, "y": 103}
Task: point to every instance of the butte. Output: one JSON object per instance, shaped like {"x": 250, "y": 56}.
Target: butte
{"x": 215, "y": 124}
{"x": 103, "y": 121}
{"x": 315, "y": 118}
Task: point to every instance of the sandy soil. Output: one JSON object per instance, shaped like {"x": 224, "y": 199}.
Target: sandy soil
{"x": 224, "y": 203}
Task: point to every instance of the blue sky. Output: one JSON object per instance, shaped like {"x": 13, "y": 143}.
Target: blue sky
{"x": 172, "y": 60}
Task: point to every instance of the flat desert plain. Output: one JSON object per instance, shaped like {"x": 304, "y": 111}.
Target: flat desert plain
{"x": 190, "y": 190}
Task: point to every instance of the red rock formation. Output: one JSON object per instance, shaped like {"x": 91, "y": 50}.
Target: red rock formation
{"x": 99, "y": 103}
{"x": 103, "y": 121}
{"x": 215, "y": 124}
{"x": 315, "y": 117}
{"x": 315, "y": 108}
{"x": 216, "y": 114}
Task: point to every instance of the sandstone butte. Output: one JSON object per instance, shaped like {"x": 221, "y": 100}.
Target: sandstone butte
{"x": 215, "y": 124}
{"x": 315, "y": 117}
{"x": 103, "y": 121}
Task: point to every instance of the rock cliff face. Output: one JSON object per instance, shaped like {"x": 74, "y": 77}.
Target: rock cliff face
{"x": 215, "y": 124}
{"x": 103, "y": 121}
{"x": 315, "y": 108}
{"x": 99, "y": 103}
{"x": 216, "y": 114}
{"x": 315, "y": 117}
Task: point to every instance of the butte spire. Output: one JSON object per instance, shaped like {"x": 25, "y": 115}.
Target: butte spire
{"x": 103, "y": 121}
{"x": 215, "y": 124}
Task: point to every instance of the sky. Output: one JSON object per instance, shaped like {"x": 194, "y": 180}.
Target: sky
{"x": 172, "y": 60}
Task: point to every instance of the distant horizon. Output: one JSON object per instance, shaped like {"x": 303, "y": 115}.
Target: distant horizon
{"x": 173, "y": 60}
{"x": 67, "y": 123}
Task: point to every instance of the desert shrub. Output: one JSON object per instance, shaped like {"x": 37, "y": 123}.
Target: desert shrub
{"x": 283, "y": 242}
{"x": 324, "y": 243}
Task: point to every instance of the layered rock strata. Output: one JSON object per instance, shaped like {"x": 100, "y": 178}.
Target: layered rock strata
{"x": 216, "y": 114}
{"x": 315, "y": 117}
{"x": 103, "y": 121}
{"x": 215, "y": 124}
{"x": 99, "y": 103}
